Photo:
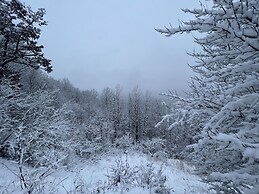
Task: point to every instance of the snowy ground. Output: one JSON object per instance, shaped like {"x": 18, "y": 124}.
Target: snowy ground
{"x": 92, "y": 177}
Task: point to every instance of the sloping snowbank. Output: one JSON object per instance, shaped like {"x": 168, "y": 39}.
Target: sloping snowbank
{"x": 144, "y": 175}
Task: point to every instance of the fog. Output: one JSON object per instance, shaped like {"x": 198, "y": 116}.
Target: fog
{"x": 98, "y": 44}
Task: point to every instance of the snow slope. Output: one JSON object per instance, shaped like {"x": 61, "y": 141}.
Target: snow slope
{"x": 98, "y": 177}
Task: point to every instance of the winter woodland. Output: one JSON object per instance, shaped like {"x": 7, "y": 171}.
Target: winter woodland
{"x": 47, "y": 124}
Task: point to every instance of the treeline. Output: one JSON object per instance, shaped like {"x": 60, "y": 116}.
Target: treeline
{"x": 48, "y": 122}
{"x": 43, "y": 118}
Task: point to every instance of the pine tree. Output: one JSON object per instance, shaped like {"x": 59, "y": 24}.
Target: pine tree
{"x": 19, "y": 34}
{"x": 228, "y": 72}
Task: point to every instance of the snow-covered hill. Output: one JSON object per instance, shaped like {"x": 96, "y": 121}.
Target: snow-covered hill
{"x": 131, "y": 173}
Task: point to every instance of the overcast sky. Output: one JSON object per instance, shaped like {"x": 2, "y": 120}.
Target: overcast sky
{"x": 100, "y": 43}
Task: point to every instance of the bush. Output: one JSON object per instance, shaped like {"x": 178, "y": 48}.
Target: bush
{"x": 124, "y": 176}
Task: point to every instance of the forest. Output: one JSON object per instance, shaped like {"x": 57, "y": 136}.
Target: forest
{"x": 48, "y": 124}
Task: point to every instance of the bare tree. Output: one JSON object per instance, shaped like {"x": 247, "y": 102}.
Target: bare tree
{"x": 135, "y": 114}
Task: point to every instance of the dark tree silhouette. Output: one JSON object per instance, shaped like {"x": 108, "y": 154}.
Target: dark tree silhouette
{"x": 19, "y": 34}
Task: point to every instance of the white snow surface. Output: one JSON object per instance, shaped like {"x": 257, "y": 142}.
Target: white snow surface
{"x": 86, "y": 177}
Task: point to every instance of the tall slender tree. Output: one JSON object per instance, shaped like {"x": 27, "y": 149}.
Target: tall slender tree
{"x": 135, "y": 114}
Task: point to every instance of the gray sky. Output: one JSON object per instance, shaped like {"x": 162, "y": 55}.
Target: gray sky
{"x": 100, "y": 43}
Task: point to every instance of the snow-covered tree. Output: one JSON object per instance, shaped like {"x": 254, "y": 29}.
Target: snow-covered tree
{"x": 19, "y": 33}
{"x": 31, "y": 128}
{"x": 7, "y": 93}
{"x": 153, "y": 110}
{"x": 135, "y": 114}
{"x": 182, "y": 124}
{"x": 32, "y": 80}
{"x": 228, "y": 70}
{"x": 113, "y": 107}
